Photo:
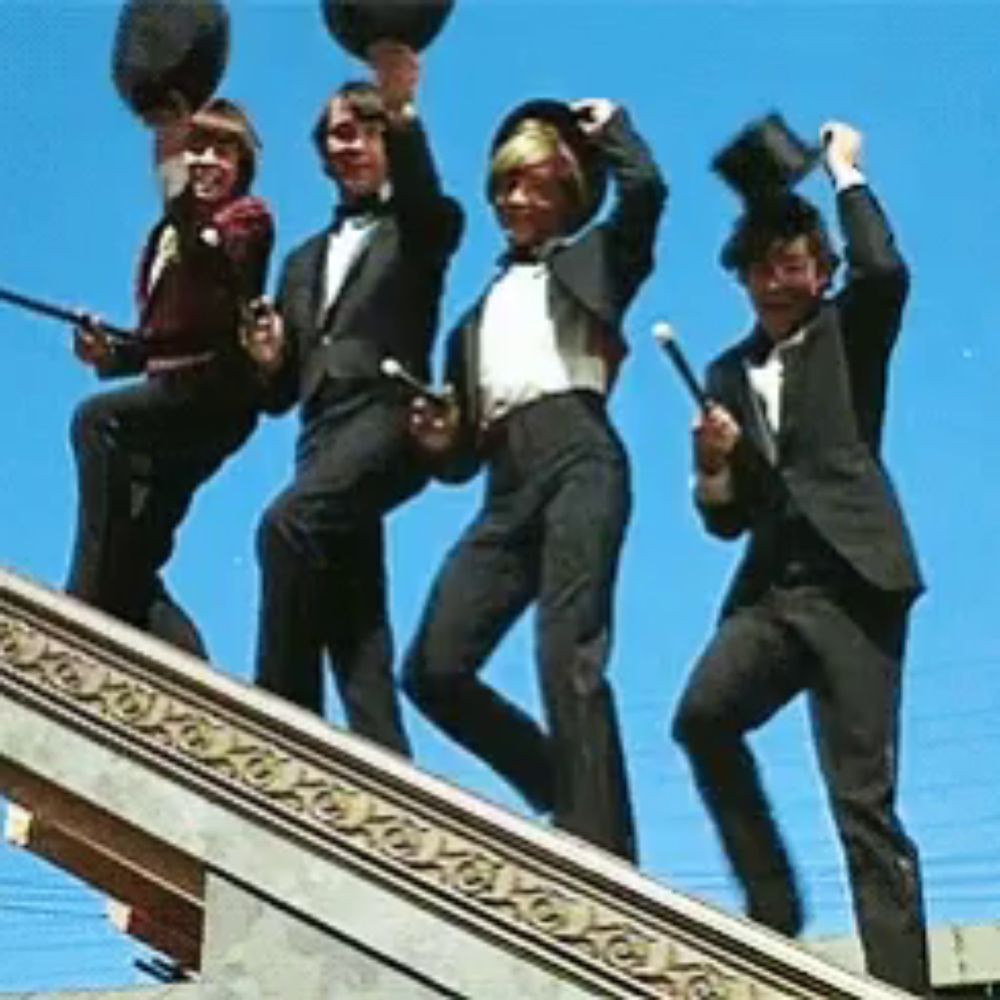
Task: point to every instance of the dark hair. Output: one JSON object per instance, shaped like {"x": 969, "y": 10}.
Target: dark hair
{"x": 224, "y": 117}
{"x": 365, "y": 101}
{"x": 777, "y": 219}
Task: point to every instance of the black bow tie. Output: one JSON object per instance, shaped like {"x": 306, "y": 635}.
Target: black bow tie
{"x": 539, "y": 254}
{"x": 759, "y": 348}
{"x": 521, "y": 255}
{"x": 371, "y": 205}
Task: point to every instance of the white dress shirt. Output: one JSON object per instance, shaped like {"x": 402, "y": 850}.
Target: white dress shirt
{"x": 343, "y": 247}
{"x": 766, "y": 381}
{"x": 532, "y": 344}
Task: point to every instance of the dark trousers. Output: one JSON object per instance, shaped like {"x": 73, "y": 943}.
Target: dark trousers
{"x": 844, "y": 647}
{"x": 320, "y": 546}
{"x": 141, "y": 453}
{"x": 557, "y": 504}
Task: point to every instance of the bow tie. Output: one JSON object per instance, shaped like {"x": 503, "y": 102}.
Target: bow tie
{"x": 370, "y": 206}
{"x": 521, "y": 255}
{"x": 759, "y": 348}
{"x": 540, "y": 254}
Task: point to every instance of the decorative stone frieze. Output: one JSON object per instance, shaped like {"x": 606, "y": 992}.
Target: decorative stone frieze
{"x": 531, "y": 898}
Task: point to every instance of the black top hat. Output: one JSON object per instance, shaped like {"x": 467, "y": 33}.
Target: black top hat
{"x": 765, "y": 160}
{"x": 168, "y": 53}
{"x": 355, "y": 24}
{"x": 567, "y": 122}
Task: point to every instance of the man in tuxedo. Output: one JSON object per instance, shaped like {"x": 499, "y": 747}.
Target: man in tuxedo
{"x": 790, "y": 453}
{"x": 364, "y": 289}
{"x": 531, "y": 365}
{"x": 142, "y": 451}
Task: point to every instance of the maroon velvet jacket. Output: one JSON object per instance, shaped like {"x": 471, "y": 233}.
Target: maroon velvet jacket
{"x": 210, "y": 267}
{"x": 195, "y": 273}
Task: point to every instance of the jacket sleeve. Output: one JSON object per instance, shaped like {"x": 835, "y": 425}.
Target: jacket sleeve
{"x": 245, "y": 231}
{"x": 231, "y": 249}
{"x": 877, "y": 284}
{"x": 128, "y": 357}
{"x": 641, "y": 194}
{"x": 427, "y": 216}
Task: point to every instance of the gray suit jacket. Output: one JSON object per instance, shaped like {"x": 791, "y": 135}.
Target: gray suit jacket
{"x": 389, "y": 303}
{"x": 826, "y": 460}
{"x": 601, "y": 271}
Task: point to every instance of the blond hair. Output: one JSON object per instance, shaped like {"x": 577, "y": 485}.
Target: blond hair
{"x": 535, "y": 141}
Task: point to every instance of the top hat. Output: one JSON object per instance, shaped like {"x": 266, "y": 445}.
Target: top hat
{"x": 356, "y": 24}
{"x": 169, "y": 55}
{"x": 766, "y": 160}
{"x": 567, "y": 122}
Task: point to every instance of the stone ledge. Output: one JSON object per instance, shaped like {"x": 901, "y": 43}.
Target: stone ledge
{"x": 540, "y": 895}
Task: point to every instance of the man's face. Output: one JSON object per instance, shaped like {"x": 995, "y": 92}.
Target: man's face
{"x": 531, "y": 204}
{"x": 785, "y": 285}
{"x": 213, "y": 165}
{"x": 355, "y": 151}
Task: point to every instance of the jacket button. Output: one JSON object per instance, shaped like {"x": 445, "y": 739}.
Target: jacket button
{"x": 325, "y": 340}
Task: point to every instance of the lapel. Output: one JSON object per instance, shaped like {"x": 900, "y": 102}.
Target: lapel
{"x": 802, "y": 386}
{"x": 315, "y": 270}
{"x": 147, "y": 295}
{"x": 582, "y": 270}
{"x": 363, "y": 273}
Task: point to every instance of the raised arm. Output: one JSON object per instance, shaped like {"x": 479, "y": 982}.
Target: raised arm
{"x": 640, "y": 193}
{"x": 877, "y": 279}
{"x": 425, "y": 212}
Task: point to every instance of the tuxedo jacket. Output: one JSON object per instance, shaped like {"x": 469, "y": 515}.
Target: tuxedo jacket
{"x": 388, "y": 304}
{"x": 824, "y": 465}
{"x": 600, "y": 271}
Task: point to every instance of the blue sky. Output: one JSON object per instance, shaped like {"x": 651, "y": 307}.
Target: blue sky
{"x": 919, "y": 79}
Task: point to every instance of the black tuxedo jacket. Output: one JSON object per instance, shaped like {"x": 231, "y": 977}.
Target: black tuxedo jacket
{"x": 601, "y": 270}
{"x": 825, "y": 463}
{"x": 388, "y": 305}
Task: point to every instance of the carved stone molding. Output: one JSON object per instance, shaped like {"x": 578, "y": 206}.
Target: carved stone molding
{"x": 619, "y": 950}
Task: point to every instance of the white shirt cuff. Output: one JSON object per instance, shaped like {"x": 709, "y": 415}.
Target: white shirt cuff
{"x": 715, "y": 489}
{"x": 845, "y": 176}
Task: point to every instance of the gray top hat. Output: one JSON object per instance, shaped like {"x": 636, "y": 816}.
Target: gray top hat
{"x": 765, "y": 160}
{"x": 355, "y": 24}
{"x": 169, "y": 55}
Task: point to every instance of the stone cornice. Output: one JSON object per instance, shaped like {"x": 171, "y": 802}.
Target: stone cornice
{"x": 570, "y": 908}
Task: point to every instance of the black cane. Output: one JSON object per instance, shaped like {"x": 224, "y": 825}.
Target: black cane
{"x": 664, "y": 335}
{"x": 77, "y": 317}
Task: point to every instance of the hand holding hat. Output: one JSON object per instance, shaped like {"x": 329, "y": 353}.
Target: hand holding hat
{"x": 168, "y": 58}
{"x": 397, "y": 71}
{"x": 841, "y": 146}
{"x": 593, "y": 114}
{"x": 357, "y": 24}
